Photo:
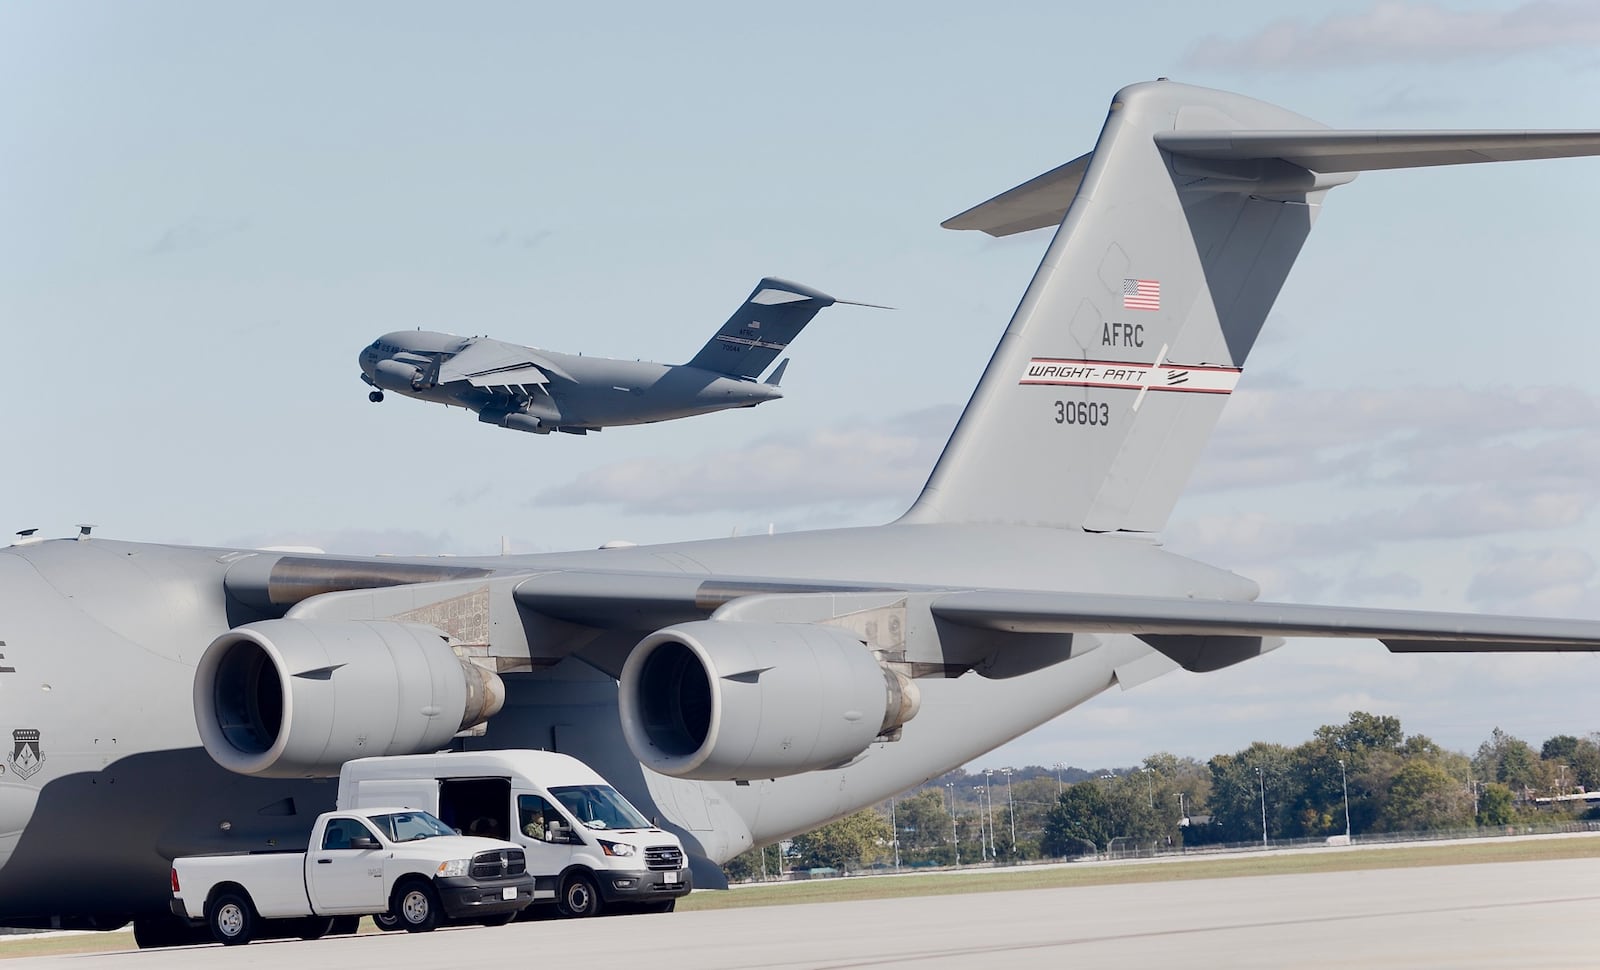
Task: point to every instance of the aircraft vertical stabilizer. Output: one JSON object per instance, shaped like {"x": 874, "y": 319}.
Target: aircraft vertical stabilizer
{"x": 1176, "y": 234}
{"x": 758, "y": 331}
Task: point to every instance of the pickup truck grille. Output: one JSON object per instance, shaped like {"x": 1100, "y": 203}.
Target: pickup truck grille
{"x": 497, "y": 865}
{"x": 663, "y": 857}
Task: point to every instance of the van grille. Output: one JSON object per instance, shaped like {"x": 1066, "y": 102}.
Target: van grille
{"x": 663, "y": 857}
{"x": 497, "y": 865}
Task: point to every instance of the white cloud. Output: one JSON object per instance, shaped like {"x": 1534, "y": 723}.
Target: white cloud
{"x": 1404, "y": 32}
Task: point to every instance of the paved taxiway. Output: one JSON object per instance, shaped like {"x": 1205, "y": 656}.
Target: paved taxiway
{"x": 1531, "y": 914}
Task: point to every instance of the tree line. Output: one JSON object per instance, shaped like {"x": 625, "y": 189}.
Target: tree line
{"x": 1365, "y": 776}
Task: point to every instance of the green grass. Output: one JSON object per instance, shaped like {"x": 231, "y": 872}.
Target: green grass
{"x": 1010, "y": 880}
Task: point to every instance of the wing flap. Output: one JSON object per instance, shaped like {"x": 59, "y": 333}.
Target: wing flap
{"x": 1402, "y": 631}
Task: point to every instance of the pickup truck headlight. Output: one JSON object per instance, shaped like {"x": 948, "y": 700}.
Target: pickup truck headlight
{"x": 619, "y": 849}
{"x": 454, "y": 868}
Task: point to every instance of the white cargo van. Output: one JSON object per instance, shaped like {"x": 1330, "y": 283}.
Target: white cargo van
{"x": 587, "y": 847}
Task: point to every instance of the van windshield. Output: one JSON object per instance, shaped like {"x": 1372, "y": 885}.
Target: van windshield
{"x": 599, "y": 807}
{"x": 410, "y": 826}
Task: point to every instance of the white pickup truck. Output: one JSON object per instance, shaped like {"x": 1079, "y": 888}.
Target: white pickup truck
{"x": 362, "y": 862}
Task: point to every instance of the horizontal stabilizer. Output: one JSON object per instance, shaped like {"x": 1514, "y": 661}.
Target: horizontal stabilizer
{"x": 1402, "y": 631}
{"x": 1035, "y": 204}
{"x": 1362, "y": 151}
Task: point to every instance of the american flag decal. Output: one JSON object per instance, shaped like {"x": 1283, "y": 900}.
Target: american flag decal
{"x": 1141, "y": 294}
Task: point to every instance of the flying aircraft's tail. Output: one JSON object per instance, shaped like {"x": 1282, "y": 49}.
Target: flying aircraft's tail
{"x": 1176, "y": 234}
{"x": 758, "y": 332}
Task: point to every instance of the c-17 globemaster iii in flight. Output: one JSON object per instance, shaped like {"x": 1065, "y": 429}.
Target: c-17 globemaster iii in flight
{"x": 527, "y": 389}
{"x": 164, "y": 700}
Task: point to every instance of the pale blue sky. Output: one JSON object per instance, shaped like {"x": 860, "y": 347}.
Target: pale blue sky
{"x": 209, "y": 209}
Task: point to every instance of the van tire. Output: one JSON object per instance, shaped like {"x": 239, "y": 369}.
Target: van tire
{"x": 580, "y": 897}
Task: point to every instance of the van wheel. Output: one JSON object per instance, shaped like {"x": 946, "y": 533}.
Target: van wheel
{"x": 417, "y": 906}
{"x": 231, "y": 918}
{"x": 579, "y": 897}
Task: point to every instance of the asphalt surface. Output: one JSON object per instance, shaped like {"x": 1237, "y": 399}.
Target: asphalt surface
{"x": 1524, "y": 915}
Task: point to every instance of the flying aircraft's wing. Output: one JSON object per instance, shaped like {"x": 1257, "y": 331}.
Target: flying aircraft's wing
{"x": 494, "y": 363}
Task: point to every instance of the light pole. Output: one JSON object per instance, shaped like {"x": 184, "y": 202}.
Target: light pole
{"x": 985, "y": 848}
{"x": 894, "y": 823}
{"x": 1011, "y": 810}
{"x": 955, "y": 837}
{"x": 1149, "y": 785}
{"x": 1181, "y": 813}
{"x": 1344, "y": 782}
{"x": 1263, "y": 776}
{"x": 1059, "y": 787}
{"x": 1561, "y": 785}
{"x": 988, "y": 787}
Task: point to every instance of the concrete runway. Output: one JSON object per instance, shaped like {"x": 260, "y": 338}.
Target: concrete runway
{"x": 1521, "y": 915}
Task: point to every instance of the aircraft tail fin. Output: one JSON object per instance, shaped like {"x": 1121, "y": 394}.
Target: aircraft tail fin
{"x": 758, "y": 331}
{"x": 1175, "y": 235}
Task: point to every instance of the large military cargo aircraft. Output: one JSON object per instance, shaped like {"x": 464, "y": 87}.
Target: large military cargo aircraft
{"x": 540, "y": 391}
{"x": 165, "y": 701}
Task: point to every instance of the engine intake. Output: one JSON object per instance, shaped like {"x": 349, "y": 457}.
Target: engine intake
{"x": 715, "y": 700}
{"x": 298, "y": 698}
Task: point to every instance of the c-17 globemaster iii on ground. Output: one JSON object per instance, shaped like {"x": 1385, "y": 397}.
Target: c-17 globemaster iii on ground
{"x": 165, "y": 700}
{"x": 527, "y": 389}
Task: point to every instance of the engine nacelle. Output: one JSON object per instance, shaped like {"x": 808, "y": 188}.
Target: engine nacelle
{"x": 517, "y": 421}
{"x": 298, "y": 698}
{"x": 392, "y": 375}
{"x": 715, "y": 700}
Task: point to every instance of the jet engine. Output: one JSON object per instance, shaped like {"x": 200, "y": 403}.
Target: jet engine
{"x": 298, "y": 698}
{"x": 394, "y": 375}
{"x": 715, "y": 700}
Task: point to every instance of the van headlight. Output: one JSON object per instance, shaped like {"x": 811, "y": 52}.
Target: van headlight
{"x": 618, "y": 849}
{"x": 454, "y": 868}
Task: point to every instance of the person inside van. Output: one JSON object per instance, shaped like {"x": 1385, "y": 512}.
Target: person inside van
{"x": 533, "y": 814}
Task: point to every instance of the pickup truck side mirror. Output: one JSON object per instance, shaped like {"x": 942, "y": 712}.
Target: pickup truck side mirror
{"x": 363, "y": 842}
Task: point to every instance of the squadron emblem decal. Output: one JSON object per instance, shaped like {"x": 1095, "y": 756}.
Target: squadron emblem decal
{"x": 26, "y": 756}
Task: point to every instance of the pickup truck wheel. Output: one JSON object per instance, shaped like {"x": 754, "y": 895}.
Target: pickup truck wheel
{"x": 388, "y": 922}
{"x": 417, "y": 905}
{"x": 346, "y": 925}
{"x": 579, "y": 897}
{"x": 231, "y": 918}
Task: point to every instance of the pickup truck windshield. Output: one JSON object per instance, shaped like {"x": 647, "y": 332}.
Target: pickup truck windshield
{"x": 410, "y": 826}
{"x": 600, "y": 807}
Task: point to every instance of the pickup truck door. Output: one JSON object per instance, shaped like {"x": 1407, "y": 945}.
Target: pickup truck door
{"x": 344, "y": 879}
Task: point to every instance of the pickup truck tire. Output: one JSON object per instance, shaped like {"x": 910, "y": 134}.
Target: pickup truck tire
{"x": 232, "y": 918}
{"x": 579, "y": 896}
{"x": 416, "y": 905}
{"x": 388, "y": 922}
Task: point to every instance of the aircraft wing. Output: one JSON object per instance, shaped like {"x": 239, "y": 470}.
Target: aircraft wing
{"x": 495, "y": 363}
{"x": 1402, "y": 631}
